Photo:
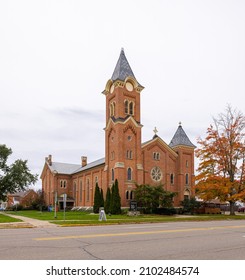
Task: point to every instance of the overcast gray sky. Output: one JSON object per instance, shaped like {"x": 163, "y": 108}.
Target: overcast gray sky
{"x": 56, "y": 57}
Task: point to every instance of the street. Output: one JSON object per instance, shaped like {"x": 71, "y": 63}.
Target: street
{"x": 213, "y": 240}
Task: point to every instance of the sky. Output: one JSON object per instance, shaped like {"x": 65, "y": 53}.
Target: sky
{"x": 56, "y": 57}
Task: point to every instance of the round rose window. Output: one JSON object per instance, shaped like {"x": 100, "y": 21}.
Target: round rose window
{"x": 156, "y": 174}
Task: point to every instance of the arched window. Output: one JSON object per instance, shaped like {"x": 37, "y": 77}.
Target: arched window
{"x": 81, "y": 190}
{"x": 129, "y": 154}
{"x": 87, "y": 190}
{"x": 156, "y": 156}
{"x": 126, "y": 107}
{"x": 131, "y": 108}
{"x": 171, "y": 178}
{"x": 127, "y": 195}
{"x": 187, "y": 194}
{"x": 112, "y": 109}
{"x": 132, "y": 195}
{"x": 187, "y": 179}
{"x": 112, "y": 175}
{"x": 129, "y": 175}
{"x": 74, "y": 190}
{"x": 112, "y": 155}
{"x": 96, "y": 179}
{"x": 64, "y": 184}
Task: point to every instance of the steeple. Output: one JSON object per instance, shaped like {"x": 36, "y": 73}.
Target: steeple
{"x": 122, "y": 69}
{"x": 180, "y": 138}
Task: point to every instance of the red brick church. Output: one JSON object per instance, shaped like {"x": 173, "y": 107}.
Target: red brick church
{"x": 126, "y": 159}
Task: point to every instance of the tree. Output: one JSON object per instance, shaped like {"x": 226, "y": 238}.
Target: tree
{"x": 151, "y": 197}
{"x": 97, "y": 199}
{"x": 115, "y": 205}
{"x": 108, "y": 201}
{"x": 143, "y": 196}
{"x": 166, "y": 199}
{"x": 13, "y": 178}
{"x": 190, "y": 204}
{"x": 102, "y": 202}
{"x": 39, "y": 202}
{"x": 222, "y": 159}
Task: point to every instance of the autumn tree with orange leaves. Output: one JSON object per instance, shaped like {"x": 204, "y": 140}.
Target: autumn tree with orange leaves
{"x": 221, "y": 170}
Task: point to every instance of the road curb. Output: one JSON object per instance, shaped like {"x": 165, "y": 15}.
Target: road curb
{"x": 15, "y": 225}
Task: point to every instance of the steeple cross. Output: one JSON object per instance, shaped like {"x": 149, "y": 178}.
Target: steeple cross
{"x": 155, "y": 130}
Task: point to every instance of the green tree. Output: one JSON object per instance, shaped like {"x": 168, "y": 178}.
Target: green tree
{"x": 190, "y": 204}
{"x": 151, "y": 197}
{"x": 111, "y": 198}
{"x": 144, "y": 196}
{"x": 13, "y": 178}
{"x": 97, "y": 199}
{"x": 115, "y": 199}
{"x": 108, "y": 201}
{"x": 102, "y": 202}
{"x": 166, "y": 198}
{"x": 39, "y": 202}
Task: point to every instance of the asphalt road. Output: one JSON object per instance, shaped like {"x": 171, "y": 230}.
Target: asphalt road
{"x": 217, "y": 240}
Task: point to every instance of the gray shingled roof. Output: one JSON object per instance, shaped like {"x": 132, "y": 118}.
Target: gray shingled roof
{"x": 64, "y": 168}
{"x": 69, "y": 169}
{"x": 122, "y": 69}
{"x": 21, "y": 193}
{"x": 91, "y": 165}
{"x": 180, "y": 138}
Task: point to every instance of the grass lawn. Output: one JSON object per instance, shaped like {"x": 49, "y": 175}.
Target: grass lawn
{"x": 81, "y": 218}
{"x": 7, "y": 219}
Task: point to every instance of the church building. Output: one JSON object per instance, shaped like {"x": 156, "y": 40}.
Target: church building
{"x": 127, "y": 159}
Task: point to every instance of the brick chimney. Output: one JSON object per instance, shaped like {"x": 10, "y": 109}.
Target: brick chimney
{"x": 84, "y": 161}
{"x": 49, "y": 160}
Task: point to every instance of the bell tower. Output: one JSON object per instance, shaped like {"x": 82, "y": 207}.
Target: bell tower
{"x": 185, "y": 177}
{"x": 123, "y": 160}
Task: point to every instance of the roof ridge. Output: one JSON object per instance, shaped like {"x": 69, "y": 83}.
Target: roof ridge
{"x": 91, "y": 165}
{"x": 66, "y": 163}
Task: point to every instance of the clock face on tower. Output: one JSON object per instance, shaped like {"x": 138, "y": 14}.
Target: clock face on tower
{"x": 129, "y": 86}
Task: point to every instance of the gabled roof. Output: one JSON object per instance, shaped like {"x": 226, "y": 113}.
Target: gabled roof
{"x": 122, "y": 69}
{"x": 64, "y": 168}
{"x": 69, "y": 169}
{"x": 91, "y": 165}
{"x": 21, "y": 193}
{"x": 180, "y": 139}
{"x": 158, "y": 139}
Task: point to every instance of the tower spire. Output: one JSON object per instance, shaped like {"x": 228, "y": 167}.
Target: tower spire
{"x": 180, "y": 138}
{"x": 122, "y": 69}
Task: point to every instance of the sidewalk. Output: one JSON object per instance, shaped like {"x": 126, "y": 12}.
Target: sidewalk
{"x": 27, "y": 222}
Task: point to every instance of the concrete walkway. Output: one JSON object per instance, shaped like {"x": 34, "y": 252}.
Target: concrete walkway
{"x": 26, "y": 222}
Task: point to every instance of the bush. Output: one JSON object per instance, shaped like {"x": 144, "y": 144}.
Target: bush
{"x": 164, "y": 211}
{"x": 17, "y": 207}
{"x": 124, "y": 211}
{"x": 190, "y": 205}
{"x": 179, "y": 210}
